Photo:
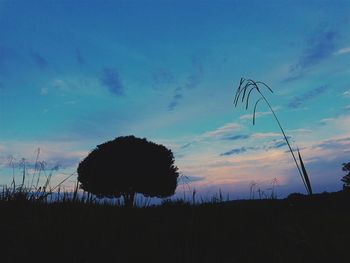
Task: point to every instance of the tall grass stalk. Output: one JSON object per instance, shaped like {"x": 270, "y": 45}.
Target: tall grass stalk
{"x": 243, "y": 93}
{"x": 31, "y": 187}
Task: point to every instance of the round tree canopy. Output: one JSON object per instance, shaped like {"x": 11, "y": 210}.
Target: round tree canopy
{"x": 128, "y": 165}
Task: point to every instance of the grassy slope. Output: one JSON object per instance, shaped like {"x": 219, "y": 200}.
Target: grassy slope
{"x": 315, "y": 230}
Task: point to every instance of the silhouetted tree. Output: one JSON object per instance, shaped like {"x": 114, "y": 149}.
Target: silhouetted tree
{"x": 346, "y": 178}
{"x": 129, "y": 165}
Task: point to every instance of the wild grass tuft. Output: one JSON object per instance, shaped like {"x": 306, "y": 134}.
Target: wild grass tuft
{"x": 35, "y": 183}
{"x": 243, "y": 94}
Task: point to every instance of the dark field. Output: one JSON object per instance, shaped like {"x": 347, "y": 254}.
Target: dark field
{"x": 299, "y": 229}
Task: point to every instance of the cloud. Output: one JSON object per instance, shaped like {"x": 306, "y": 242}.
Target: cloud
{"x": 234, "y": 151}
{"x": 236, "y": 137}
{"x": 266, "y": 156}
{"x": 195, "y": 77}
{"x": 64, "y": 161}
{"x": 257, "y": 115}
{"x": 112, "y": 81}
{"x": 337, "y": 124}
{"x": 80, "y": 59}
{"x": 319, "y": 48}
{"x": 266, "y": 146}
{"x": 264, "y": 135}
{"x": 237, "y": 151}
{"x": 54, "y": 154}
{"x": 326, "y": 121}
{"x": 291, "y": 78}
{"x": 346, "y": 94}
{"x": 40, "y": 61}
{"x": 186, "y": 145}
{"x": 342, "y": 51}
{"x": 225, "y": 130}
{"x": 175, "y": 100}
{"x": 296, "y": 102}
{"x": 300, "y": 131}
{"x": 60, "y": 85}
{"x": 44, "y": 91}
{"x": 278, "y": 144}
{"x": 163, "y": 76}
{"x": 334, "y": 143}
{"x": 222, "y": 133}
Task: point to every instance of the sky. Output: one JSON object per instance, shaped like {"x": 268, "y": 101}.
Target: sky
{"x": 74, "y": 74}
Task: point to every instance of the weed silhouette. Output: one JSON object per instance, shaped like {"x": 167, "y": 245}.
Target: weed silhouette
{"x": 243, "y": 93}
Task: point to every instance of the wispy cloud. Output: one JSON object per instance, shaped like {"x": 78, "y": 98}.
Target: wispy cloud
{"x": 40, "y": 61}
{"x": 195, "y": 77}
{"x": 342, "y": 51}
{"x": 338, "y": 123}
{"x": 264, "y": 135}
{"x": 334, "y": 143}
{"x": 240, "y": 165}
{"x": 346, "y": 94}
{"x": 237, "y": 151}
{"x": 219, "y": 134}
{"x": 60, "y": 85}
{"x": 54, "y": 154}
{"x": 79, "y": 57}
{"x": 300, "y": 131}
{"x": 163, "y": 76}
{"x": 296, "y": 102}
{"x": 326, "y": 121}
{"x": 236, "y": 137}
{"x": 112, "y": 81}
{"x": 44, "y": 91}
{"x": 319, "y": 48}
{"x": 175, "y": 100}
{"x": 264, "y": 146}
{"x": 186, "y": 145}
{"x": 226, "y": 130}
{"x": 278, "y": 144}
{"x": 257, "y": 115}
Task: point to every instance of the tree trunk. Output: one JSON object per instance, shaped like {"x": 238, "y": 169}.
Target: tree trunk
{"x": 129, "y": 199}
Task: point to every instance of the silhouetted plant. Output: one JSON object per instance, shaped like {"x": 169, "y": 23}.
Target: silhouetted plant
{"x": 243, "y": 93}
{"x": 129, "y": 165}
{"x": 252, "y": 187}
{"x": 346, "y": 178}
{"x": 28, "y": 189}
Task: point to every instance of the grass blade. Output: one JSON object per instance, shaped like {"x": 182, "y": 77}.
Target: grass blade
{"x": 256, "y": 104}
{"x": 267, "y": 86}
{"x": 306, "y": 177}
{"x": 245, "y": 84}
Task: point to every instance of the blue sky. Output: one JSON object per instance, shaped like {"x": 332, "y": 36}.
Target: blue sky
{"x": 74, "y": 74}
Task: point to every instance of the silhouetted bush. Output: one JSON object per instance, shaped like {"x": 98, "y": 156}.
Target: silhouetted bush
{"x": 129, "y": 165}
{"x": 346, "y": 178}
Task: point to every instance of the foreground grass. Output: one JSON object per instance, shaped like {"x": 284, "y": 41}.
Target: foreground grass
{"x": 309, "y": 229}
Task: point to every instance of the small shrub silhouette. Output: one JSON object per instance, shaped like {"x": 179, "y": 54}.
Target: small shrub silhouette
{"x": 346, "y": 178}
{"x": 129, "y": 165}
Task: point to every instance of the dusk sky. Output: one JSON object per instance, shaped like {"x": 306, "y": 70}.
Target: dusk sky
{"x": 74, "y": 74}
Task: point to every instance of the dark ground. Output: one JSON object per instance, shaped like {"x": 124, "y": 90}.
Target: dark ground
{"x": 297, "y": 229}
